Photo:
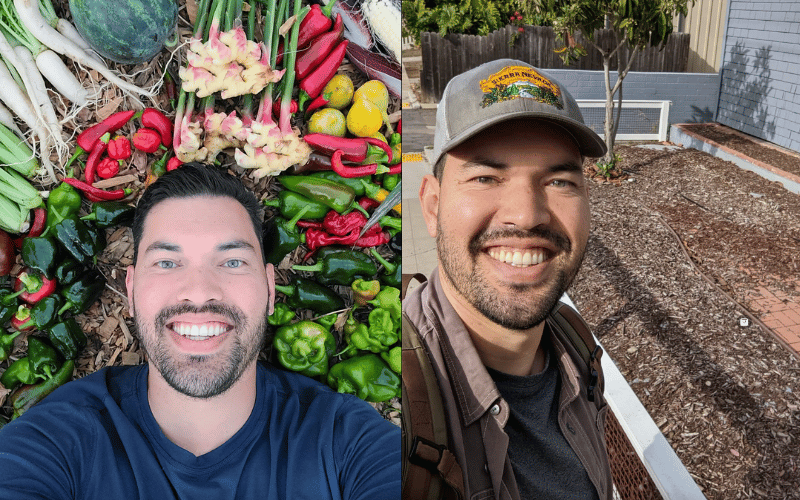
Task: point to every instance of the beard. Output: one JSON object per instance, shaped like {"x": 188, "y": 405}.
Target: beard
{"x": 202, "y": 376}
{"x": 516, "y": 306}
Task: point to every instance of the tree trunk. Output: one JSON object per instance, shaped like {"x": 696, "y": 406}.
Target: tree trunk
{"x": 608, "y": 128}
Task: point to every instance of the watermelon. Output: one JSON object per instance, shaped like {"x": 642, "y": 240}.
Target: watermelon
{"x": 125, "y": 31}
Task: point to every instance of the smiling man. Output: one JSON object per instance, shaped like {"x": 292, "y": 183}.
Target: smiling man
{"x": 202, "y": 419}
{"x": 509, "y": 208}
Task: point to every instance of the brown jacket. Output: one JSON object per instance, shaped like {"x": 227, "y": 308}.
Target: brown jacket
{"x": 477, "y": 414}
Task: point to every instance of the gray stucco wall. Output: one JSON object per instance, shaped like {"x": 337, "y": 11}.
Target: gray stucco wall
{"x": 694, "y": 95}
{"x": 760, "y": 75}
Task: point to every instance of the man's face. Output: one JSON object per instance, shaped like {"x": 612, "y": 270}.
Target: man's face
{"x": 200, "y": 293}
{"x": 511, "y": 220}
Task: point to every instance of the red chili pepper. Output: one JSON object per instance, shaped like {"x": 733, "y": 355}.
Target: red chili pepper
{"x": 395, "y": 169}
{"x": 39, "y": 222}
{"x": 354, "y": 150}
{"x": 308, "y": 224}
{"x": 108, "y": 168}
{"x": 312, "y": 85}
{"x": 317, "y": 103}
{"x": 147, "y": 140}
{"x": 316, "y": 22}
{"x": 173, "y": 163}
{"x": 399, "y": 128}
{"x": 119, "y": 148}
{"x": 355, "y": 171}
{"x": 89, "y": 137}
{"x": 318, "y": 50}
{"x": 94, "y": 157}
{"x": 155, "y": 119}
{"x": 316, "y": 238}
{"x": 381, "y": 144}
{"x": 94, "y": 194}
{"x": 340, "y": 225}
{"x": 36, "y": 286}
{"x": 276, "y": 107}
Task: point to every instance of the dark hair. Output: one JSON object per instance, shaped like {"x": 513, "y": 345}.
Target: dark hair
{"x": 197, "y": 179}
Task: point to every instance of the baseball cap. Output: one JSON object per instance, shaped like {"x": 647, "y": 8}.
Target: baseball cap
{"x": 507, "y": 89}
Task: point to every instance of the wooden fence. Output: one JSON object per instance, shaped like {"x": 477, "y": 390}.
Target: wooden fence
{"x": 443, "y": 58}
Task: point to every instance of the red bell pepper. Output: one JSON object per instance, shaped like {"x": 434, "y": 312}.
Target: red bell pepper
{"x": 94, "y": 194}
{"x": 35, "y": 286}
{"x": 147, "y": 140}
{"x": 21, "y": 320}
{"x": 108, "y": 168}
{"x": 155, "y": 119}
{"x": 119, "y": 148}
{"x": 312, "y": 85}
{"x": 316, "y": 22}
{"x": 319, "y": 49}
{"x": 94, "y": 158}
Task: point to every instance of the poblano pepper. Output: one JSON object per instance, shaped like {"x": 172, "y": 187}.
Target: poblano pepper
{"x": 40, "y": 253}
{"x": 69, "y": 271}
{"x": 26, "y": 397}
{"x": 282, "y": 237}
{"x": 82, "y": 293}
{"x": 337, "y": 196}
{"x": 67, "y": 337}
{"x": 40, "y": 315}
{"x": 305, "y": 347}
{"x": 303, "y": 293}
{"x": 43, "y": 358}
{"x": 341, "y": 268}
{"x": 64, "y": 201}
{"x": 111, "y": 213}
{"x": 394, "y": 358}
{"x": 282, "y": 315}
{"x": 392, "y": 271}
{"x": 81, "y": 241}
{"x": 6, "y": 344}
{"x": 290, "y": 204}
{"x": 366, "y": 376}
{"x": 19, "y": 372}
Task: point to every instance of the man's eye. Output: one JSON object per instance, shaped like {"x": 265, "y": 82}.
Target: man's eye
{"x": 165, "y": 264}
{"x": 233, "y": 263}
{"x": 562, "y": 183}
{"x": 484, "y": 180}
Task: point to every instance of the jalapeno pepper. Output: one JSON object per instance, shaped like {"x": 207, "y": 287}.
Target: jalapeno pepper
{"x": 305, "y": 347}
{"x": 337, "y": 196}
{"x": 341, "y": 268}
{"x": 366, "y": 376}
{"x": 354, "y": 184}
{"x": 27, "y": 396}
{"x": 111, "y": 213}
{"x": 41, "y": 254}
{"x": 67, "y": 337}
{"x": 19, "y": 372}
{"x": 290, "y": 203}
{"x": 303, "y": 293}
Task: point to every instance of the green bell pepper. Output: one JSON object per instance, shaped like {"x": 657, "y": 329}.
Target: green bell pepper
{"x": 67, "y": 337}
{"x": 389, "y": 299}
{"x": 328, "y": 320}
{"x": 6, "y": 344}
{"x": 111, "y": 213}
{"x": 341, "y": 268}
{"x": 366, "y": 376}
{"x": 27, "y": 396}
{"x": 283, "y": 237}
{"x": 394, "y": 358}
{"x": 337, "y": 196}
{"x": 81, "y": 241}
{"x": 64, "y": 201}
{"x": 40, "y": 253}
{"x": 282, "y": 315}
{"x": 19, "y": 372}
{"x": 378, "y": 336}
{"x": 69, "y": 271}
{"x": 290, "y": 204}
{"x": 303, "y": 293}
{"x": 364, "y": 291}
{"x": 43, "y": 358}
{"x": 305, "y": 347}
{"x": 82, "y": 293}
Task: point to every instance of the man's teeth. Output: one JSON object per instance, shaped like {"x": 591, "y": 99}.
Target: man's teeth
{"x": 199, "y": 332}
{"x": 518, "y": 258}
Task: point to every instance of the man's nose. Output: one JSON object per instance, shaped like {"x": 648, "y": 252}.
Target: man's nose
{"x": 524, "y": 206}
{"x": 198, "y": 285}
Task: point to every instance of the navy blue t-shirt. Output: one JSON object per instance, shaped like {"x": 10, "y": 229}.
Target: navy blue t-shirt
{"x": 96, "y": 438}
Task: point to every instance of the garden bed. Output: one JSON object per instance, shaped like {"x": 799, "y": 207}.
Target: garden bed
{"x": 676, "y": 250}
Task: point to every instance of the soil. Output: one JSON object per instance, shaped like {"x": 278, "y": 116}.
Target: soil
{"x": 677, "y": 246}
{"x": 108, "y": 324}
{"x": 785, "y": 160}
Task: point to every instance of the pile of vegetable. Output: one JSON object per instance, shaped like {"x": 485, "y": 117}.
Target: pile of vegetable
{"x": 269, "y": 90}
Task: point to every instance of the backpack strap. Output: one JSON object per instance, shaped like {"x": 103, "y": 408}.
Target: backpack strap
{"x": 406, "y": 280}
{"x": 580, "y": 336}
{"x": 430, "y": 469}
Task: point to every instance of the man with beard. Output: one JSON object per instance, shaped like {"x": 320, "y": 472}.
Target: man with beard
{"x": 202, "y": 419}
{"x": 508, "y": 205}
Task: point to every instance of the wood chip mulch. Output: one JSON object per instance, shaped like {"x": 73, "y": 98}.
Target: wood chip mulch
{"x": 727, "y": 398}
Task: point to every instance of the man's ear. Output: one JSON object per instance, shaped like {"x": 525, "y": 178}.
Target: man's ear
{"x": 271, "y": 288}
{"x": 129, "y": 287}
{"x": 429, "y": 200}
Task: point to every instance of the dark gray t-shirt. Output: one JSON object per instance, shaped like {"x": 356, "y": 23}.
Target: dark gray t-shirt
{"x": 545, "y": 466}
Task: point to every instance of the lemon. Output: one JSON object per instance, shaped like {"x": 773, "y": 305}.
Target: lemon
{"x": 364, "y": 118}
{"x": 341, "y": 92}
{"x": 375, "y": 92}
{"x": 328, "y": 121}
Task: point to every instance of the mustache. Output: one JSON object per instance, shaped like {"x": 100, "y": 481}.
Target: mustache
{"x": 231, "y": 313}
{"x": 557, "y": 239}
